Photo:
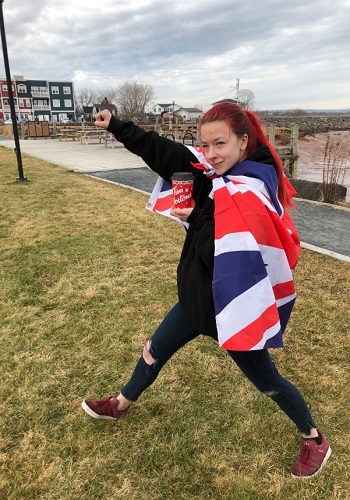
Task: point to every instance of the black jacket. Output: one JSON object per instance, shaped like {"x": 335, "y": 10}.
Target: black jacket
{"x": 195, "y": 269}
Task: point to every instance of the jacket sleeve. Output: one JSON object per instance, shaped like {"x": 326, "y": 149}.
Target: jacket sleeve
{"x": 162, "y": 155}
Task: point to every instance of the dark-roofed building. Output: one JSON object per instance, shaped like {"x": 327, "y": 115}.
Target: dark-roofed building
{"x": 40, "y": 100}
{"x": 225, "y": 100}
{"x": 105, "y": 104}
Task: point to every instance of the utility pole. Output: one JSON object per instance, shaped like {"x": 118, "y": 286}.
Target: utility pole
{"x": 237, "y": 88}
{"x": 17, "y": 150}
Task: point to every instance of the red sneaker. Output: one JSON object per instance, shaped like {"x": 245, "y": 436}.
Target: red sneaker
{"x": 105, "y": 409}
{"x": 312, "y": 457}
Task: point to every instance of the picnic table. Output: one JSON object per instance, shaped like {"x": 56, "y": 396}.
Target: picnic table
{"x": 100, "y": 135}
{"x": 68, "y": 133}
{"x": 87, "y": 134}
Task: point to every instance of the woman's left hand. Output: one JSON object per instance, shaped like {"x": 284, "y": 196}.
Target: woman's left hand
{"x": 181, "y": 213}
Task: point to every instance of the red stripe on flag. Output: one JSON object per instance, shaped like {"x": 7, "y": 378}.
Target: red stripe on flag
{"x": 282, "y": 290}
{"x": 228, "y": 219}
{"x": 262, "y": 227}
{"x": 163, "y": 204}
{"x": 252, "y": 334}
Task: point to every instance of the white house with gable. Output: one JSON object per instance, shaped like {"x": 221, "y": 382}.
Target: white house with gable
{"x": 189, "y": 113}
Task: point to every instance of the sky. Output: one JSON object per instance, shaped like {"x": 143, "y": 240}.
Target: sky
{"x": 290, "y": 54}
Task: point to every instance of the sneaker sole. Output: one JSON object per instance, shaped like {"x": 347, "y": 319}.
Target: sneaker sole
{"x": 92, "y": 414}
{"x": 328, "y": 454}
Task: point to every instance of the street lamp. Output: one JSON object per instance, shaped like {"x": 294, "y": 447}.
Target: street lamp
{"x": 21, "y": 177}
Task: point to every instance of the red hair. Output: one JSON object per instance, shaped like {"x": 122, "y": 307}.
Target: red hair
{"x": 245, "y": 122}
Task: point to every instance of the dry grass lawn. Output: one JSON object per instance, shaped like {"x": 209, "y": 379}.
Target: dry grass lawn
{"x": 86, "y": 274}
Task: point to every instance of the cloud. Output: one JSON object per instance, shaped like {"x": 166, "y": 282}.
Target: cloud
{"x": 290, "y": 54}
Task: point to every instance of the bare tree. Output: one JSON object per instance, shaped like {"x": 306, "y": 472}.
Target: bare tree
{"x": 107, "y": 94}
{"x": 246, "y": 99}
{"x": 132, "y": 98}
{"x": 84, "y": 97}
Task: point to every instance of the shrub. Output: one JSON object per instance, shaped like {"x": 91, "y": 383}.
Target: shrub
{"x": 335, "y": 164}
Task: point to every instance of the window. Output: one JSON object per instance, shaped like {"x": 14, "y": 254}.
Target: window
{"x": 35, "y": 89}
{"x": 55, "y": 90}
{"x": 66, "y": 90}
{"x": 28, "y": 103}
{"x": 68, "y": 103}
{"x": 21, "y": 88}
{"x": 43, "y": 90}
{"x": 21, "y": 103}
{"x": 56, "y": 103}
{"x": 6, "y": 101}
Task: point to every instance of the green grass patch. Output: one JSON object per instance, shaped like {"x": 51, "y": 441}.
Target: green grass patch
{"x": 86, "y": 275}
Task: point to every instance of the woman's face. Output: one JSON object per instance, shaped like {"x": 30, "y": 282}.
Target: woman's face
{"x": 222, "y": 148}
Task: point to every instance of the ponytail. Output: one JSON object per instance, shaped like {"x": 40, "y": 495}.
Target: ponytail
{"x": 260, "y": 139}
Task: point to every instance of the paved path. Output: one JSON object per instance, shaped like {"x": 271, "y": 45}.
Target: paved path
{"x": 76, "y": 156}
{"x": 323, "y": 228}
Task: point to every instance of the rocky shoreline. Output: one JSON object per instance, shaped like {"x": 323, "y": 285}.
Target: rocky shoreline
{"x": 311, "y": 124}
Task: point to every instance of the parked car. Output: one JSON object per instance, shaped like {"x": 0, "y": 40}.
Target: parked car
{"x": 152, "y": 118}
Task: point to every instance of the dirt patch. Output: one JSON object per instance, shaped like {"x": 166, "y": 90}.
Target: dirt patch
{"x": 311, "y": 153}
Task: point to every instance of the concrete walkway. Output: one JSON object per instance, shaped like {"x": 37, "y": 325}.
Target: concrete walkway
{"x": 76, "y": 156}
{"x": 322, "y": 228}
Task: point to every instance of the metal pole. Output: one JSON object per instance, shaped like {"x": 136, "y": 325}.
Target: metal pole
{"x": 21, "y": 177}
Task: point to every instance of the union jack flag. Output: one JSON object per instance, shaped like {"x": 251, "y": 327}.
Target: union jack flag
{"x": 256, "y": 248}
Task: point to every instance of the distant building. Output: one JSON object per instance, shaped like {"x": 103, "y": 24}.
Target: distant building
{"x": 105, "y": 104}
{"x": 40, "y": 100}
{"x": 88, "y": 113}
{"x": 161, "y": 108}
{"x": 189, "y": 113}
{"x": 225, "y": 100}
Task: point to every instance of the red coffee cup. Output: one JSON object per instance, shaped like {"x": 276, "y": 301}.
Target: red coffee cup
{"x": 182, "y": 189}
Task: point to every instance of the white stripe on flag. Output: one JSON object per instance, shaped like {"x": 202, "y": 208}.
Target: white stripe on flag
{"x": 238, "y": 241}
{"x": 156, "y": 192}
{"x": 276, "y": 262}
{"x": 239, "y": 313}
{"x": 271, "y": 332}
{"x": 285, "y": 300}
{"x": 262, "y": 194}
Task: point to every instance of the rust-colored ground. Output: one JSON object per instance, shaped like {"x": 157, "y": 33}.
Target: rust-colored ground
{"x": 311, "y": 153}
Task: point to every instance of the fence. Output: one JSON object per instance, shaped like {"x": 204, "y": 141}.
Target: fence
{"x": 284, "y": 140}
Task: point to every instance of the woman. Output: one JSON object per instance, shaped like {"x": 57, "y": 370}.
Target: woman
{"x": 234, "y": 274}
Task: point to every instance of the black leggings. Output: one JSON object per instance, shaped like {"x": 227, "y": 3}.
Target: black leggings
{"x": 176, "y": 330}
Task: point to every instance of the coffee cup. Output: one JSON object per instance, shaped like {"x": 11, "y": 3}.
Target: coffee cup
{"x": 182, "y": 189}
